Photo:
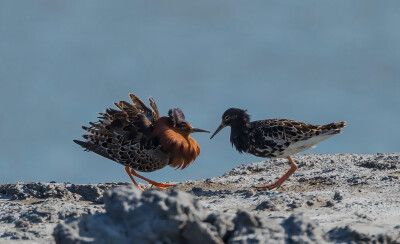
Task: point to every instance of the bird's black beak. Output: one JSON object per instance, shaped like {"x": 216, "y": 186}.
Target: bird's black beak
{"x": 220, "y": 127}
{"x": 193, "y": 130}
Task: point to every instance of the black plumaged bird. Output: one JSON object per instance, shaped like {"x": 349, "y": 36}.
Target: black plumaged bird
{"x": 274, "y": 138}
{"x": 137, "y": 137}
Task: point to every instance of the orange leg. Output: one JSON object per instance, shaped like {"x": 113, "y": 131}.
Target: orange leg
{"x": 284, "y": 177}
{"x": 133, "y": 180}
{"x": 154, "y": 183}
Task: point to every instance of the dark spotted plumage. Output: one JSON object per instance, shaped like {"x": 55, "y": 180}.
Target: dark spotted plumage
{"x": 132, "y": 136}
{"x": 274, "y": 138}
{"x": 124, "y": 136}
{"x": 270, "y": 138}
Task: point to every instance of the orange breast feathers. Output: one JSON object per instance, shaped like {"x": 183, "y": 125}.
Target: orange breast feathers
{"x": 182, "y": 148}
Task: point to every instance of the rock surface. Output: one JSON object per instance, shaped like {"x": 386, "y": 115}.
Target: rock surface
{"x": 330, "y": 199}
{"x": 177, "y": 217}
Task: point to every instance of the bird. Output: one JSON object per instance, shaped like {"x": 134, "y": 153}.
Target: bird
{"x": 140, "y": 139}
{"x": 274, "y": 138}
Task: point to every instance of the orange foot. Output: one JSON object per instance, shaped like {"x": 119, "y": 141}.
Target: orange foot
{"x": 269, "y": 187}
{"x": 160, "y": 185}
{"x": 153, "y": 183}
{"x": 277, "y": 184}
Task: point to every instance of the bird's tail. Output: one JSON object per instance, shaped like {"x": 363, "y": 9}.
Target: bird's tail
{"x": 89, "y": 146}
{"x": 333, "y": 128}
{"x": 131, "y": 122}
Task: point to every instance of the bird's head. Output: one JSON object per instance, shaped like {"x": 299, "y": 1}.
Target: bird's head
{"x": 180, "y": 124}
{"x": 231, "y": 117}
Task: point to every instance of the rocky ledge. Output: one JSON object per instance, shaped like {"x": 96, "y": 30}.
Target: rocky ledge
{"x": 330, "y": 199}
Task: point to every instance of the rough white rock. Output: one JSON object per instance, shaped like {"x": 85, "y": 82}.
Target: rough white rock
{"x": 135, "y": 217}
{"x": 177, "y": 217}
{"x": 331, "y": 198}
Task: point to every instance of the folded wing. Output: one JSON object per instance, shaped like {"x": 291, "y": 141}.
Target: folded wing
{"x": 124, "y": 135}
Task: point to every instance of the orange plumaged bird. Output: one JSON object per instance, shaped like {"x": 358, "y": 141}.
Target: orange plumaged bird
{"x": 137, "y": 137}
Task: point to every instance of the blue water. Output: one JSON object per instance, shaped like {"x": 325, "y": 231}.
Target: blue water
{"x": 62, "y": 62}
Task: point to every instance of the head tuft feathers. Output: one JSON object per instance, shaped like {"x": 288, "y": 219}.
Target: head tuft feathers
{"x": 176, "y": 115}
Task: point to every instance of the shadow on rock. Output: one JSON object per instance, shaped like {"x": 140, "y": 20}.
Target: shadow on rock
{"x": 348, "y": 234}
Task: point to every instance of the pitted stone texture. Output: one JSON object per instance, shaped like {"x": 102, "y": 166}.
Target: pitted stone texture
{"x": 155, "y": 216}
{"x": 64, "y": 191}
{"x": 300, "y": 229}
{"x": 133, "y": 216}
{"x": 334, "y": 191}
{"x": 348, "y": 234}
{"x": 252, "y": 229}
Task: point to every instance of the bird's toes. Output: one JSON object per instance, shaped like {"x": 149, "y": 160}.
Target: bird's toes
{"x": 267, "y": 187}
{"x": 262, "y": 188}
{"x": 162, "y": 186}
{"x": 140, "y": 188}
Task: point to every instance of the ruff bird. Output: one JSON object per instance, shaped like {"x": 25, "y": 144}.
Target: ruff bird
{"x": 274, "y": 138}
{"x": 137, "y": 137}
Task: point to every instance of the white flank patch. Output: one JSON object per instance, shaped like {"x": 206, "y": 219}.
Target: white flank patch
{"x": 300, "y": 146}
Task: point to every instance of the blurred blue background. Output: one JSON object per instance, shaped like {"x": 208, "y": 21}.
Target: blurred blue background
{"x": 62, "y": 62}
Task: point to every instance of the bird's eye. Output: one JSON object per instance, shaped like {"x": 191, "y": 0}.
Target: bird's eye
{"x": 227, "y": 117}
{"x": 182, "y": 125}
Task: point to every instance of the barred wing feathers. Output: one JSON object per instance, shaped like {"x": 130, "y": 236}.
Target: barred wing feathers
{"x": 124, "y": 136}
